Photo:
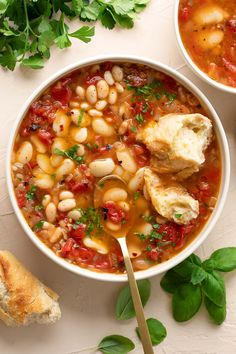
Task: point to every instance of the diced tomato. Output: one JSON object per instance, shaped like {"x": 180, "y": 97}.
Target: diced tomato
{"x": 170, "y": 83}
{"x": 169, "y": 231}
{"x": 184, "y": 13}
{"x": 78, "y": 233}
{"x": 103, "y": 262}
{"x": 186, "y": 229}
{"x": 67, "y": 247}
{"x": 137, "y": 77}
{"x": 107, "y": 66}
{"x": 82, "y": 254}
{"x": 113, "y": 212}
{"x": 21, "y": 199}
{"x": 92, "y": 80}
{"x": 79, "y": 187}
{"x": 45, "y": 136}
{"x": 60, "y": 92}
{"x": 153, "y": 254}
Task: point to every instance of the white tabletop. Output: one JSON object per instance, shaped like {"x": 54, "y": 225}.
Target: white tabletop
{"x": 87, "y": 305}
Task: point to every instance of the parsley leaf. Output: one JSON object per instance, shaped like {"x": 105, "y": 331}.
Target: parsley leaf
{"x": 71, "y": 153}
{"x": 39, "y": 225}
{"x": 30, "y": 195}
{"x": 84, "y": 33}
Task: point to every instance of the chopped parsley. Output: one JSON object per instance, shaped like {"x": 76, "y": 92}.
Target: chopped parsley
{"x": 139, "y": 119}
{"x": 149, "y": 248}
{"x": 133, "y": 129}
{"x": 81, "y": 115}
{"x": 92, "y": 147}
{"x": 38, "y": 207}
{"x": 178, "y": 216}
{"x": 30, "y": 195}
{"x": 136, "y": 195}
{"x": 39, "y": 225}
{"x": 149, "y": 218}
{"x": 153, "y": 90}
{"x": 71, "y": 153}
{"x": 152, "y": 236}
{"x": 91, "y": 218}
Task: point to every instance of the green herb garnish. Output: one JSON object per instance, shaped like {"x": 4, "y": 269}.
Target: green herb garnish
{"x": 133, "y": 128}
{"x": 92, "y": 147}
{"x": 71, "y": 153}
{"x": 81, "y": 115}
{"x": 136, "y": 195}
{"x": 139, "y": 119}
{"x": 91, "y": 218}
{"x": 178, "y": 216}
{"x": 115, "y": 344}
{"x": 30, "y": 195}
{"x": 38, "y": 207}
{"x": 39, "y": 225}
{"x": 156, "y": 330}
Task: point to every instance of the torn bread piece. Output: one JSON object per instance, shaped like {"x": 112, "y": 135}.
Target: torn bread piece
{"x": 23, "y": 298}
{"x": 170, "y": 199}
{"x": 177, "y": 143}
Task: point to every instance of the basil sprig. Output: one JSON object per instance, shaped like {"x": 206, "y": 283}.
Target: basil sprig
{"x": 156, "y": 330}
{"x": 116, "y": 344}
{"x": 193, "y": 280}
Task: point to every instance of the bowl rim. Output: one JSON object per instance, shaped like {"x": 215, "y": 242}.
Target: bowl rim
{"x": 189, "y": 60}
{"x": 225, "y": 158}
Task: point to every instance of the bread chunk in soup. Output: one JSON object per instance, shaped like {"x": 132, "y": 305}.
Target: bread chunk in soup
{"x": 127, "y": 120}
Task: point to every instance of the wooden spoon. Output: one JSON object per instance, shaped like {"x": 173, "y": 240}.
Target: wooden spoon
{"x": 121, "y": 238}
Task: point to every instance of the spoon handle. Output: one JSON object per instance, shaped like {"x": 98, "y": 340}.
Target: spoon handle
{"x": 143, "y": 329}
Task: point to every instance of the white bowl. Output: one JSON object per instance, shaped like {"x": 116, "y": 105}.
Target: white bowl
{"x": 157, "y": 269}
{"x": 189, "y": 60}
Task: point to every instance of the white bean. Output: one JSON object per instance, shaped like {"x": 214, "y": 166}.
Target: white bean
{"x": 101, "y": 127}
{"x": 123, "y": 127}
{"x": 51, "y": 212}
{"x": 118, "y": 170}
{"x": 119, "y": 87}
{"x": 126, "y": 160}
{"x": 134, "y": 251}
{"x": 44, "y": 181}
{"x": 80, "y": 118}
{"x": 101, "y": 167}
{"x": 80, "y": 91}
{"x": 80, "y": 150}
{"x": 85, "y": 106}
{"x": 208, "y": 39}
{"x": 112, "y": 98}
{"x": 113, "y": 227}
{"x": 97, "y": 245}
{"x": 47, "y": 225}
{"x": 91, "y": 94}
{"x": 145, "y": 228}
{"x": 117, "y": 73}
{"x": 95, "y": 68}
{"x": 66, "y": 205}
{"x": 137, "y": 181}
{"x": 207, "y": 15}
{"x": 140, "y": 264}
{"x": 74, "y": 214}
{"x": 59, "y": 143}
{"x": 56, "y": 160}
{"x": 40, "y": 147}
{"x": 102, "y": 89}
{"x": 100, "y": 105}
{"x": 94, "y": 113}
{"x": 79, "y": 134}
{"x": 65, "y": 169}
{"x": 44, "y": 163}
{"x": 66, "y": 195}
{"x": 46, "y": 200}
{"x": 56, "y": 235}
{"x": 61, "y": 123}
{"x": 25, "y": 152}
{"x": 74, "y": 104}
{"x": 109, "y": 78}
{"x": 123, "y": 205}
{"x": 126, "y": 176}
{"x": 115, "y": 194}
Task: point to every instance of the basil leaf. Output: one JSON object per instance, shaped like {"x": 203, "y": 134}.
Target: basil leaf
{"x": 115, "y": 344}
{"x": 214, "y": 288}
{"x": 156, "y": 330}
{"x": 170, "y": 281}
{"x": 124, "y": 306}
{"x": 198, "y": 275}
{"x": 216, "y": 313}
{"x": 186, "y": 302}
{"x": 224, "y": 259}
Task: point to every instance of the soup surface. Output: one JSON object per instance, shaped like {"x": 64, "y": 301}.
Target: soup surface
{"x": 208, "y": 31}
{"x": 125, "y": 120}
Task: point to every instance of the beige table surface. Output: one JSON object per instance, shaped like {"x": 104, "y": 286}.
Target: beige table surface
{"x": 87, "y": 305}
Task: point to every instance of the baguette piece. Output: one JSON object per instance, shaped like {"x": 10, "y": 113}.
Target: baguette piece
{"x": 23, "y": 298}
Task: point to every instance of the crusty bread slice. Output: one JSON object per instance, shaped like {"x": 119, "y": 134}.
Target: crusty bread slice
{"x": 23, "y": 298}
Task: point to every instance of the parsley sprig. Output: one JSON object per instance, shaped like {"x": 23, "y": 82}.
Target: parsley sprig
{"x": 153, "y": 90}
{"x": 71, "y": 153}
{"x": 91, "y": 218}
{"x": 29, "y": 28}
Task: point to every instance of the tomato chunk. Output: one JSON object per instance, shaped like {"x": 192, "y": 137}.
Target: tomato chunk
{"x": 45, "y": 136}
{"x": 78, "y": 232}
{"x": 113, "y": 212}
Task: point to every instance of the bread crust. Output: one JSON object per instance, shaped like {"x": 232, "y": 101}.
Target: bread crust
{"x": 22, "y": 296}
